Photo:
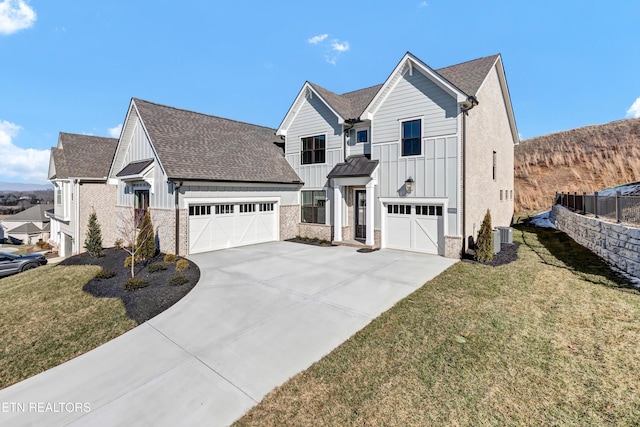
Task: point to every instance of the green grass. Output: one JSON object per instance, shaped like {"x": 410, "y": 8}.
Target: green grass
{"x": 551, "y": 339}
{"x": 46, "y": 319}
{"x": 20, "y": 249}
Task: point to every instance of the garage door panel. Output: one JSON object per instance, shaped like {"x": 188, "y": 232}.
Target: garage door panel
{"x": 419, "y": 229}
{"x": 232, "y": 224}
{"x": 426, "y": 234}
{"x": 399, "y": 232}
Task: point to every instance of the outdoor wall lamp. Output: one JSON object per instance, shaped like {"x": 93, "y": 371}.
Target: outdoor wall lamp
{"x": 408, "y": 185}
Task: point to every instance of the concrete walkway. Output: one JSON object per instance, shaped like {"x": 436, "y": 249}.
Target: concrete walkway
{"x": 259, "y": 315}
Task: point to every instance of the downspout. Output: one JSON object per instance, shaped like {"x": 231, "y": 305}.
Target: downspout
{"x": 472, "y": 101}
{"x": 76, "y": 200}
{"x": 176, "y": 196}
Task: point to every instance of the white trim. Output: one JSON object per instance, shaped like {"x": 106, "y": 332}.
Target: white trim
{"x": 297, "y": 106}
{"x": 186, "y": 183}
{"x": 187, "y": 201}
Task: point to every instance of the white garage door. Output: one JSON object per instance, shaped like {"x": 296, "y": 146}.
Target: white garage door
{"x": 414, "y": 227}
{"x": 227, "y": 225}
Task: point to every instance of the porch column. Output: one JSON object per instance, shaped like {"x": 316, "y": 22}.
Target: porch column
{"x": 370, "y": 241}
{"x": 337, "y": 212}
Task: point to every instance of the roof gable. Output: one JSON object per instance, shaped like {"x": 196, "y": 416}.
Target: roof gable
{"x": 33, "y": 214}
{"x": 196, "y": 146}
{"x": 82, "y": 156}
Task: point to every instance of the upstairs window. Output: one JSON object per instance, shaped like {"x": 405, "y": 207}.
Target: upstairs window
{"x": 495, "y": 166}
{"x": 59, "y": 194}
{"x": 313, "y": 149}
{"x": 412, "y": 138}
{"x": 362, "y": 136}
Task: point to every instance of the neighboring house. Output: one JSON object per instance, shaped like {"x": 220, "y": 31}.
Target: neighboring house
{"x": 78, "y": 169}
{"x": 413, "y": 163}
{"x": 27, "y": 226}
{"x": 208, "y": 182}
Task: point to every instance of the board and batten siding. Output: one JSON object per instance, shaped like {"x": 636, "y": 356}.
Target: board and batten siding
{"x": 435, "y": 171}
{"x": 139, "y": 148}
{"x": 415, "y": 97}
{"x": 287, "y": 195}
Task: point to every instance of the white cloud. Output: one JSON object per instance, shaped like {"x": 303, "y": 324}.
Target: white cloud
{"x": 317, "y": 39}
{"x": 339, "y": 46}
{"x": 634, "y": 111}
{"x": 15, "y": 15}
{"x": 21, "y": 164}
{"x": 423, "y": 4}
{"x": 115, "y": 132}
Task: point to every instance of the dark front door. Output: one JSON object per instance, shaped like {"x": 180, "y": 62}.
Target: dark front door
{"x": 361, "y": 214}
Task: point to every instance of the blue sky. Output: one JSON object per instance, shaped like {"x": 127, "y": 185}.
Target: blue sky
{"x": 73, "y": 65}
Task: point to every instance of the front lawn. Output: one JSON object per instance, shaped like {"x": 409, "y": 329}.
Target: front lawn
{"x": 550, "y": 339}
{"x": 47, "y": 319}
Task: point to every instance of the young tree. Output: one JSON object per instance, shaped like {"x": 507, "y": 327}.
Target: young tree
{"x": 146, "y": 239}
{"x": 93, "y": 240}
{"x": 484, "y": 244}
{"x": 128, "y": 229}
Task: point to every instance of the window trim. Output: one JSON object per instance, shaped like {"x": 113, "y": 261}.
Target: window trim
{"x": 401, "y": 138}
{"x": 363, "y": 129}
{"x": 302, "y": 151}
{"x": 314, "y": 208}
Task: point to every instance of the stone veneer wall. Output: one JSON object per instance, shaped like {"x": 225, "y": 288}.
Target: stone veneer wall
{"x": 316, "y": 231}
{"x": 453, "y": 247}
{"x": 102, "y": 198}
{"x": 618, "y": 244}
{"x": 289, "y": 216}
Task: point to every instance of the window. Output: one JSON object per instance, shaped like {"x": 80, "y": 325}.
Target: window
{"x": 412, "y": 138}
{"x": 266, "y": 207}
{"x": 247, "y": 207}
{"x": 141, "y": 204}
{"x": 399, "y": 209}
{"x": 59, "y": 194}
{"x": 362, "y": 136}
{"x": 495, "y": 164}
{"x": 313, "y": 149}
{"x": 198, "y": 210}
{"x": 431, "y": 210}
{"x": 223, "y": 209}
{"x": 313, "y": 207}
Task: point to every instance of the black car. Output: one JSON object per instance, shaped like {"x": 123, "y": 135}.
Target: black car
{"x": 10, "y": 263}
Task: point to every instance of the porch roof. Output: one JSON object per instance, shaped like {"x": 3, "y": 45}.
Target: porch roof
{"x": 354, "y": 166}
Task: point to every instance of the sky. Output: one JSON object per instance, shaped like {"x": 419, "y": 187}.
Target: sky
{"x": 74, "y": 65}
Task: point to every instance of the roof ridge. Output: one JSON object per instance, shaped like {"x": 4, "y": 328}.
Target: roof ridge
{"x": 87, "y": 136}
{"x": 202, "y": 114}
{"x": 466, "y": 62}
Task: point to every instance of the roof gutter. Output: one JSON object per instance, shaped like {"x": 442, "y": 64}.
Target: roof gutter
{"x": 176, "y": 196}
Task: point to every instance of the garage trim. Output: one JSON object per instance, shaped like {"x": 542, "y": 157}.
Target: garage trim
{"x": 411, "y": 201}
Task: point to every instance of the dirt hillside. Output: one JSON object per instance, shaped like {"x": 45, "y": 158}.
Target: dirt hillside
{"x": 584, "y": 159}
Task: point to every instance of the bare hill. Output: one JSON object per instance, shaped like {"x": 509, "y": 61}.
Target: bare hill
{"x": 583, "y": 159}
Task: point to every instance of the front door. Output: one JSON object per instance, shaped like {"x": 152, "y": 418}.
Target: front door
{"x": 361, "y": 214}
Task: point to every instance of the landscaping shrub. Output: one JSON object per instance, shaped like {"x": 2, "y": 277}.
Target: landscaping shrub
{"x": 182, "y": 265}
{"x": 93, "y": 240}
{"x": 105, "y": 274}
{"x": 170, "y": 258}
{"x": 128, "y": 261}
{"x": 135, "y": 283}
{"x": 156, "y": 266}
{"x": 42, "y": 245}
{"x": 118, "y": 244}
{"x": 178, "y": 279}
{"x": 146, "y": 242}
{"x": 484, "y": 244}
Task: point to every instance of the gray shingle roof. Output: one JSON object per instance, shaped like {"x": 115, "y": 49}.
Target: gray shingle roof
{"x": 467, "y": 76}
{"x": 28, "y": 228}
{"x": 354, "y": 166}
{"x": 34, "y": 213}
{"x": 83, "y": 156}
{"x": 135, "y": 168}
{"x": 197, "y": 146}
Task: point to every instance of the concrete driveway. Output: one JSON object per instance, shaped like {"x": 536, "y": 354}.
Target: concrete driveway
{"x": 259, "y": 315}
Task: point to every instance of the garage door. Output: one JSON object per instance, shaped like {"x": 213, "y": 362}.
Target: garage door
{"x": 227, "y": 225}
{"x": 414, "y": 227}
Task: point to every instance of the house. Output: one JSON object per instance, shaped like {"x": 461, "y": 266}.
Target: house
{"x": 413, "y": 163}
{"x": 208, "y": 182}
{"x": 27, "y": 226}
{"x": 78, "y": 169}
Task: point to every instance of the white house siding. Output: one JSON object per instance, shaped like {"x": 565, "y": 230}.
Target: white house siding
{"x": 138, "y": 147}
{"x": 435, "y": 172}
{"x": 488, "y": 130}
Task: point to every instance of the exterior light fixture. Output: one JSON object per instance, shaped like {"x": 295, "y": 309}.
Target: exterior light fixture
{"x": 408, "y": 185}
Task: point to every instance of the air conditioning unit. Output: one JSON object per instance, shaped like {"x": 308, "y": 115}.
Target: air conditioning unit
{"x": 496, "y": 241}
{"x": 506, "y": 234}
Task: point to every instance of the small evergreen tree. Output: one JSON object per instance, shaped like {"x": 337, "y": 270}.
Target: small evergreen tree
{"x": 93, "y": 240}
{"x": 146, "y": 243}
{"x": 484, "y": 244}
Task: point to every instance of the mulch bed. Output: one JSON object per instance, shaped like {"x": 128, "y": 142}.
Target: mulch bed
{"x": 508, "y": 253}
{"x": 308, "y": 241}
{"x": 144, "y": 303}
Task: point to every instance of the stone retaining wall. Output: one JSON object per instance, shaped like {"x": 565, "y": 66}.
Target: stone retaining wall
{"x": 618, "y": 244}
